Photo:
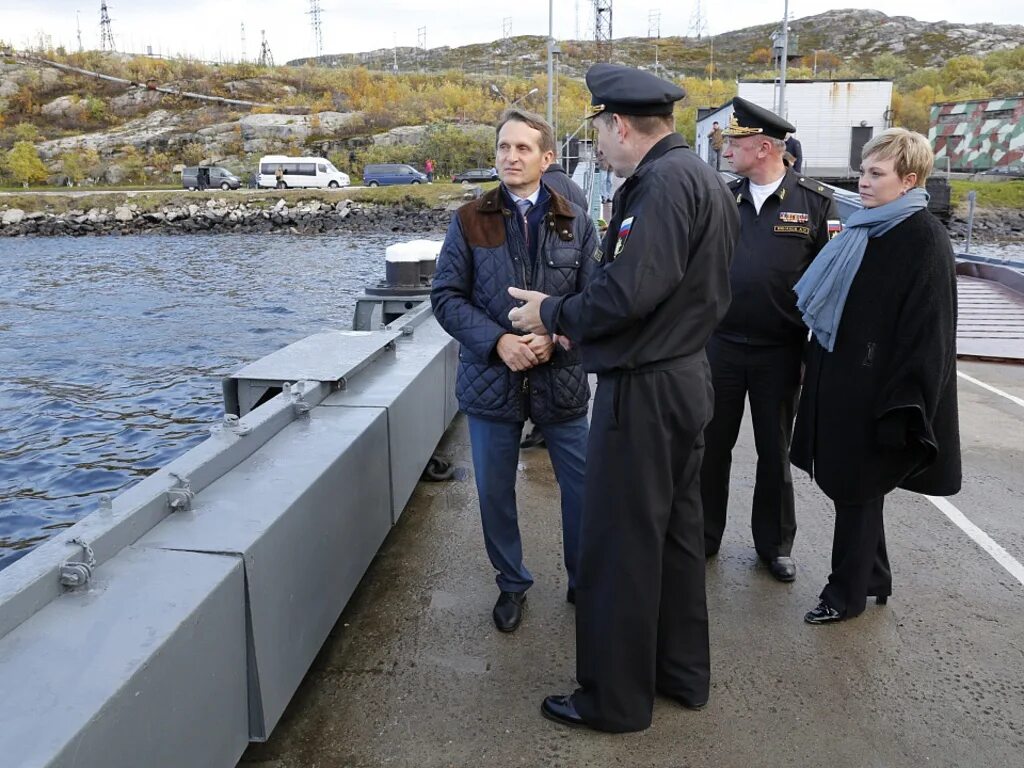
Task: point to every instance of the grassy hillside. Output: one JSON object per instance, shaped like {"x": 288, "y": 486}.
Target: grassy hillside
{"x": 451, "y": 87}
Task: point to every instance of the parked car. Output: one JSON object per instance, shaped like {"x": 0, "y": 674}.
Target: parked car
{"x": 211, "y": 176}
{"x": 476, "y": 174}
{"x": 1007, "y": 171}
{"x": 383, "y": 174}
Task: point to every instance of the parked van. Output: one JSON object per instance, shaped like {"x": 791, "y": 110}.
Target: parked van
{"x": 208, "y": 177}
{"x": 382, "y": 174}
{"x": 294, "y": 172}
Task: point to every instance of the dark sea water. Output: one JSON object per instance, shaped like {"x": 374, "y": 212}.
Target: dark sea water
{"x": 113, "y": 348}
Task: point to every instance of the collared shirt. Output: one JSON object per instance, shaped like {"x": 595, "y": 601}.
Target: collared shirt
{"x": 532, "y": 226}
{"x": 776, "y": 245}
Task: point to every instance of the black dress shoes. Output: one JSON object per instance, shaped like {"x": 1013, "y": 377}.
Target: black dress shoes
{"x": 823, "y": 613}
{"x": 782, "y": 568}
{"x": 508, "y": 611}
{"x": 570, "y": 595}
{"x": 561, "y": 710}
{"x": 533, "y": 440}
{"x": 684, "y": 702}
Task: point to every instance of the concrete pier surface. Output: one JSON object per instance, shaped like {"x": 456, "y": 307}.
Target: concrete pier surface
{"x": 415, "y": 674}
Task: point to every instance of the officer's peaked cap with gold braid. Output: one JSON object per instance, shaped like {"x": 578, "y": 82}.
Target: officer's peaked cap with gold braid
{"x": 748, "y": 119}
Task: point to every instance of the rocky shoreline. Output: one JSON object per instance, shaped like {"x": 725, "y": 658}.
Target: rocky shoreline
{"x": 221, "y": 216}
{"x": 989, "y": 224}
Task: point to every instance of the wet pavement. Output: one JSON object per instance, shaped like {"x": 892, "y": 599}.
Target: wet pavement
{"x": 414, "y": 673}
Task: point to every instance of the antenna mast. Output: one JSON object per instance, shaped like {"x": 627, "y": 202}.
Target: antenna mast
{"x": 106, "y": 36}
{"x": 78, "y": 25}
{"x": 603, "y": 30}
{"x": 266, "y": 57}
{"x": 243, "y": 42}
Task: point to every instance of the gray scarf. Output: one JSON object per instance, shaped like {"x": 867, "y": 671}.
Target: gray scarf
{"x": 821, "y": 293}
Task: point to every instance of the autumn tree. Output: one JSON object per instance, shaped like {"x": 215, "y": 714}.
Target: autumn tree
{"x": 24, "y": 165}
{"x": 964, "y": 71}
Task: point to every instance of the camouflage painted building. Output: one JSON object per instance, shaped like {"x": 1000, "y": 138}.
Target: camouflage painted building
{"x": 970, "y": 136}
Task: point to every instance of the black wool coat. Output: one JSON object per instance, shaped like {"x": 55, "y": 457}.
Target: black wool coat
{"x": 880, "y": 411}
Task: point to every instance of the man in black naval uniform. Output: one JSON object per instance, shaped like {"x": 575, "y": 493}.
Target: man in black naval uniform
{"x": 642, "y": 323}
{"x": 757, "y": 350}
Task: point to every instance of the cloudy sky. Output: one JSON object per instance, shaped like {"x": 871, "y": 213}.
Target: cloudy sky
{"x": 211, "y": 29}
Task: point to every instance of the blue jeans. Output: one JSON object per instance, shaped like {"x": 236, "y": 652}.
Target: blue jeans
{"x": 495, "y": 460}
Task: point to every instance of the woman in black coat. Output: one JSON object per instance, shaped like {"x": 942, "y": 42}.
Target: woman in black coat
{"x": 878, "y": 409}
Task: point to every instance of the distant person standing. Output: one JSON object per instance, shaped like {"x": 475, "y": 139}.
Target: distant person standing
{"x": 279, "y": 177}
{"x": 717, "y": 140}
{"x": 560, "y": 181}
{"x": 756, "y": 351}
{"x": 795, "y": 153}
{"x": 428, "y": 168}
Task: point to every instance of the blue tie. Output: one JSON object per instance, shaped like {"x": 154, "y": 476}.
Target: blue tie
{"x": 524, "y": 207}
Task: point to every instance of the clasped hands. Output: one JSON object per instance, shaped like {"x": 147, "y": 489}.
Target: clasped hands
{"x": 521, "y": 353}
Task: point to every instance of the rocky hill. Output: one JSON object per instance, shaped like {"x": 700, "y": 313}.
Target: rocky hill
{"x": 855, "y": 36}
{"x": 138, "y": 121}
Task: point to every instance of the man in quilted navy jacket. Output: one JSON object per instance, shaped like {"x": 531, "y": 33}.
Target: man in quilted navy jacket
{"x": 520, "y": 234}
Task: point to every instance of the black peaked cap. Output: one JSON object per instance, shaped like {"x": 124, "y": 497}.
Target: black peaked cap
{"x": 748, "y": 119}
{"x": 629, "y": 91}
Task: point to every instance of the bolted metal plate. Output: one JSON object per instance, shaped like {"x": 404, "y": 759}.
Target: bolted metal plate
{"x": 328, "y": 356}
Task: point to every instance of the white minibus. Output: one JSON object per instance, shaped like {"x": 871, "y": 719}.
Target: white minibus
{"x": 292, "y": 172}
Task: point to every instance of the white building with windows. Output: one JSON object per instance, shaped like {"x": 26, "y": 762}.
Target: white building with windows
{"x": 833, "y": 119}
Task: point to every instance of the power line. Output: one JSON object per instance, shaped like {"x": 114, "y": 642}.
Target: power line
{"x": 654, "y": 23}
{"x": 698, "y": 23}
{"x": 318, "y": 34}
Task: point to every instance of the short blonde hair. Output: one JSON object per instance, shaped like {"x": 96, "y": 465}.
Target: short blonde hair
{"x": 910, "y": 152}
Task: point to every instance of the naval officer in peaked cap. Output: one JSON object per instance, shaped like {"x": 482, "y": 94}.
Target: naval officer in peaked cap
{"x": 757, "y": 350}
{"x": 642, "y": 323}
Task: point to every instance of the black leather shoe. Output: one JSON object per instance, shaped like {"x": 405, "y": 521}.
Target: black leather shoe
{"x": 561, "y": 710}
{"x": 710, "y": 550}
{"x": 508, "y": 611}
{"x": 782, "y": 568}
{"x": 570, "y": 595}
{"x": 533, "y": 440}
{"x": 823, "y": 613}
{"x": 684, "y": 702}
